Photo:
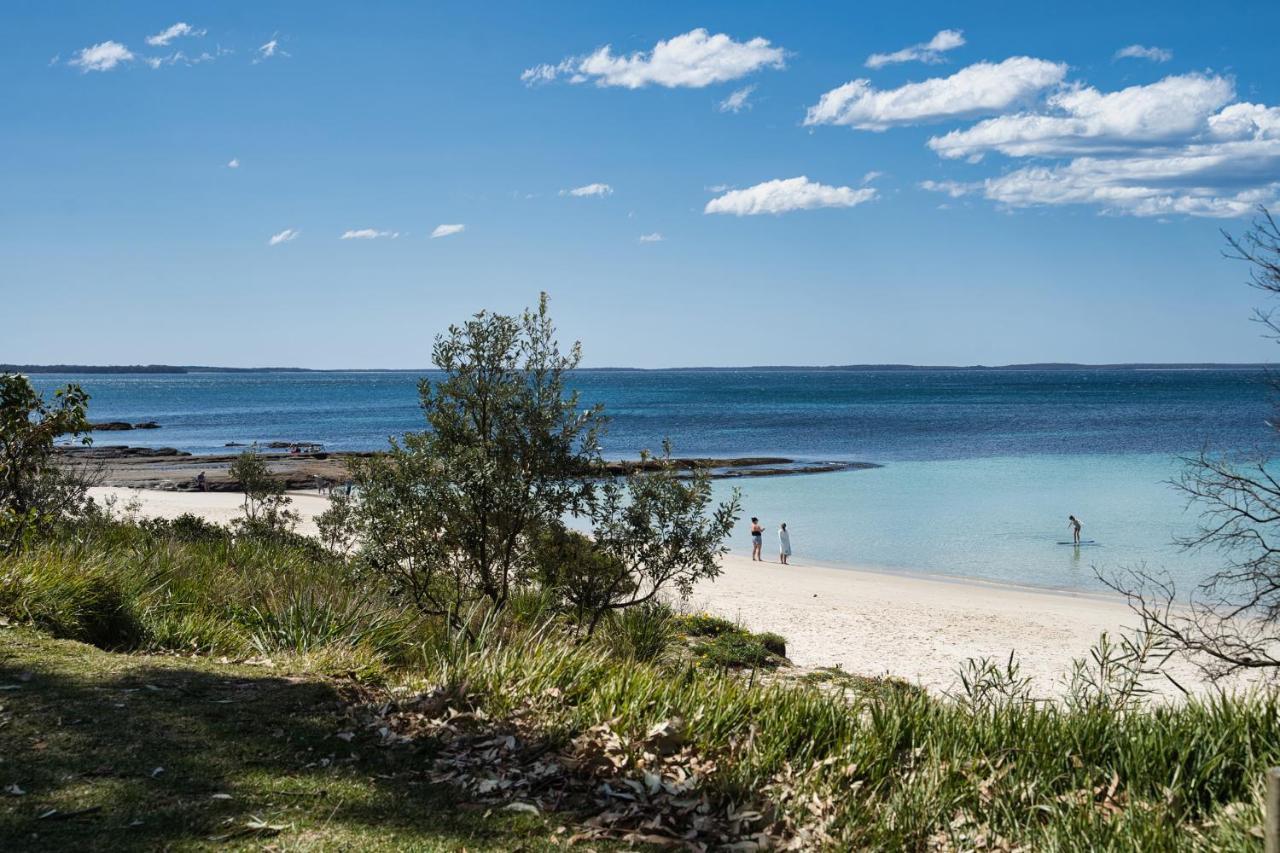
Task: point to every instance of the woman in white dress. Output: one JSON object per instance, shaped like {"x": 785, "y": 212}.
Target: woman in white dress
{"x": 784, "y": 544}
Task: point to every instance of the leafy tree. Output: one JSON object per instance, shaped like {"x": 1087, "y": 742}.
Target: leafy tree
{"x": 266, "y": 506}
{"x": 450, "y": 514}
{"x": 34, "y": 491}
{"x": 655, "y": 529}
{"x": 1231, "y": 620}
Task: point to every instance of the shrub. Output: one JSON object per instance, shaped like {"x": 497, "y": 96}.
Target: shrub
{"x": 704, "y": 625}
{"x": 35, "y": 493}
{"x": 644, "y": 633}
{"x": 266, "y": 506}
{"x": 734, "y": 650}
{"x": 775, "y": 643}
{"x": 185, "y": 528}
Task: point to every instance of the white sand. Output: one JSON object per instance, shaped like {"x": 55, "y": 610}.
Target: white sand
{"x": 867, "y": 622}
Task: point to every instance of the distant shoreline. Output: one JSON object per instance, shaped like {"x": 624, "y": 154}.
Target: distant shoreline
{"x": 150, "y": 369}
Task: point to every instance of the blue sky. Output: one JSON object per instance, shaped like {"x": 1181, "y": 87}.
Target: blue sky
{"x": 1004, "y": 183}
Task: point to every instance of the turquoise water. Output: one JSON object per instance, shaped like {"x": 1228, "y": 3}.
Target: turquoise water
{"x": 997, "y": 518}
{"x": 981, "y": 467}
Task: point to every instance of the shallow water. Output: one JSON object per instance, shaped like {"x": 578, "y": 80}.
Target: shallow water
{"x": 996, "y": 518}
{"x": 981, "y": 467}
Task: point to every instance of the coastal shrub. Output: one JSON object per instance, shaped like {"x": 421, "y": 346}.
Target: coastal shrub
{"x": 471, "y": 509}
{"x": 266, "y": 506}
{"x": 735, "y": 649}
{"x": 775, "y": 643}
{"x": 705, "y": 625}
{"x": 35, "y": 492}
{"x": 448, "y": 516}
{"x": 645, "y": 633}
{"x": 658, "y": 530}
{"x": 187, "y": 527}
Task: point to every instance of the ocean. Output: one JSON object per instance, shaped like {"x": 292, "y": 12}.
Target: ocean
{"x": 980, "y": 467}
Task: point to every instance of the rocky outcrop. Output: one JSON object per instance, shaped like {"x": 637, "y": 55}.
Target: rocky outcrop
{"x": 121, "y": 426}
{"x": 119, "y": 451}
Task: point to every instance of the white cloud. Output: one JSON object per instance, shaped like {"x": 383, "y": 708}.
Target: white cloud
{"x": 1217, "y": 179}
{"x": 738, "y": 100}
{"x": 283, "y": 237}
{"x": 101, "y": 57}
{"x": 178, "y": 30}
{"x": 187, "y": 59}
{"x": 1086, "y": 120}
{"x": 655, "y": 237}
{"x": 1194, "y": 183}
{"x": 984, "y": 87}
{"x": 368, "y": 234}
{"x": 600, "y": 190}
{"x": 1137, "y": 51}
{"x": 1245, "y": 121}
{"x": 447, "y": 230}
{"x": 930, "y": 51}
{"x": 781, "y": 196}
{"x": 955, "y": 189}
{"x": 268, "y": 50}
{"x": 694, "y": 59}
{"x": 234, "y": 163}
{"x": 1176, "y": 146}
{"x": 871, "y": 176}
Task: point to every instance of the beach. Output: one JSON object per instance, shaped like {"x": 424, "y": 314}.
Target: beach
{"x": 910, "y": 626}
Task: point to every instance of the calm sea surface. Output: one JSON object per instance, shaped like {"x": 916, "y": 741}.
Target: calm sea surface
{"x": 981, "y": 467}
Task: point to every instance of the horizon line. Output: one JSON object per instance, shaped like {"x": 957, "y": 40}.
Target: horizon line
{"x": 886, "y": 366}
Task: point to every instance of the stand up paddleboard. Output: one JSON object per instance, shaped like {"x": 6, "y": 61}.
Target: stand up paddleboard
{"x": 1082, "y": 542}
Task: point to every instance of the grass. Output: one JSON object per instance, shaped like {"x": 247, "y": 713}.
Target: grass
{"x": 124, "y": 752}
{"x": 826, "y": 760}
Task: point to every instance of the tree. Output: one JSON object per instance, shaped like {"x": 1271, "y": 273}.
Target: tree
{"x": 266, "y": 506}
{"x": 652, "y": 530}
{"x": 34, "y": 491}
{"x": 1231, "y": 620}
{"x": 450, "y": 514}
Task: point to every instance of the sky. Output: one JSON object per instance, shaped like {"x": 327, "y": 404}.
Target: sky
{"x": 331, "y": 185}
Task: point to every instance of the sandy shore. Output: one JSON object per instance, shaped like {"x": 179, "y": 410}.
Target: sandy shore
{"x": 868, "y": 622}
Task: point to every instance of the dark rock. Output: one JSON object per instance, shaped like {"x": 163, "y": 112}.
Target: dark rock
{"x": 147, "y": 425}
{"x": 119, "y": 452}
{"x": 110, "y": 426}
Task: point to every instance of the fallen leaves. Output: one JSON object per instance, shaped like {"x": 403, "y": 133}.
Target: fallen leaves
{"x": 649, "y": 789}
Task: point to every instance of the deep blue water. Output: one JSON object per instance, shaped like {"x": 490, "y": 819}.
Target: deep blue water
{"x": 980, "y": 469}
{"x": 868, "y": 415}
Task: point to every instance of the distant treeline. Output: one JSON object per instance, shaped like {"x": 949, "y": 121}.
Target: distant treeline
{"x": 140, "y": 368}
{"x": 171, "y": 368}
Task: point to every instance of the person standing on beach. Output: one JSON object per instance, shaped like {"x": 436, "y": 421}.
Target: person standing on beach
{"x": 1074, "y": 524}
{"x": 784, "y": 544}
{"x": 200, "y": 482}
{"x": 757, "y": 539}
